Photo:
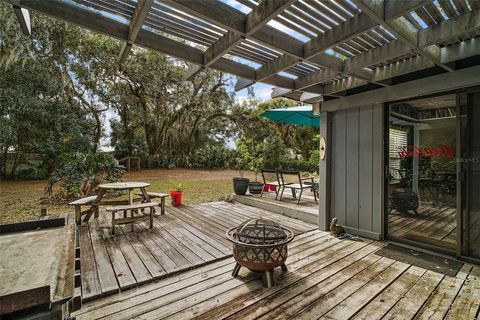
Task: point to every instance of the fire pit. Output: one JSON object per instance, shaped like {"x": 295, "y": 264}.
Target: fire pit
{"x": 260, "y": 245}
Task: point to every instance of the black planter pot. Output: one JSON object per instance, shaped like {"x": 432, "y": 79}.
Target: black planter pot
{"x": 240, "y": 186}
{"x": 255, "y": 187}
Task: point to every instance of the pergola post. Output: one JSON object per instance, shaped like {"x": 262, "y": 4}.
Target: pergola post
{"x": 324, "y": 187}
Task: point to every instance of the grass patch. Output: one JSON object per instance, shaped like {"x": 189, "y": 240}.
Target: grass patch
{"x": 22, "y": 200}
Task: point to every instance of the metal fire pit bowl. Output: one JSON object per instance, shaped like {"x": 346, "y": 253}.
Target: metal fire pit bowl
{"x": 260, "y": 245}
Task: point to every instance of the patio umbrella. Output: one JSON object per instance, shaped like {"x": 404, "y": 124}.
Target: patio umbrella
{"x": 302, "y": 116}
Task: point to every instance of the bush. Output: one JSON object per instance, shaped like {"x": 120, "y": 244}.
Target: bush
{"x": 31, "y": 173}
{"x": 213, "y": 156}
{"x": 79, "y": 174}
{"x": 153, "y": 162}
{"x": 301, "y": 165}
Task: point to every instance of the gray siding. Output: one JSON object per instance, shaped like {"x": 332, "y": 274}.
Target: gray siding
{"x": 357, "y": 169}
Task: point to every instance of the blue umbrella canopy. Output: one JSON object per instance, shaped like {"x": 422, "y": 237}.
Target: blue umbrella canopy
{"x": 302, "y": 116}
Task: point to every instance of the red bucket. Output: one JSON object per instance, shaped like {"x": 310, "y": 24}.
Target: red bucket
{"x": 176, "y": 198}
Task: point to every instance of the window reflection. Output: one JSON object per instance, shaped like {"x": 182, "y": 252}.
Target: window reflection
{"x": 422, "y": 171}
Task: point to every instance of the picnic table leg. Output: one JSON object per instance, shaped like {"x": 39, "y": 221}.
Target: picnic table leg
{"x": 131, "y": 213}
{"x": 97, "y": 211}
{"x": 88, "y": 214}
{"x": 162, "y": 204}
{"x": 130, "y": 198}
{"x": 78, "y": 214}
{"x": 145, "y": 195}
{"x": 113, "y": 222}
{"x": 96, "y": 208}
{"x": 152, "y": 210}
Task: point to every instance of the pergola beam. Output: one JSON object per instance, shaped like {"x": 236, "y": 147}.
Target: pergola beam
{"x": 343, "y": 32}
{"x": 141, "y": 11}
{"x": 275, "y": 66}
{"x": 465, "y": 49}
{"x": 93, "y": 21}
{"x": 376, "y": 55}
{"x": 458, "y": 79}
{"x": 233, "y": 20}
{"x": 23, "y": 17}
{"x": 223, "y": 45}
{"x": 449, "y": 29}
{"x": 313, "y": 78}
{"x": 395, "y": 8}
{"x": 255, "y": 20}
{"x": 342, "y": 85}
{"x": 263, "y": 13}
{"x": 376, "y": 9}
{"x": 400, "y": 68}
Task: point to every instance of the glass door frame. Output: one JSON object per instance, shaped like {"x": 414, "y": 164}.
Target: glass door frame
{"x": 386, "y": 236}
{"x": 462, "y": 177}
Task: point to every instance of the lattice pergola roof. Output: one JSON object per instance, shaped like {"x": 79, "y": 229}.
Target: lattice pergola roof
{"x": 306, "y": 48}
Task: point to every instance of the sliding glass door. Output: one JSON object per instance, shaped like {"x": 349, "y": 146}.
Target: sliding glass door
{"x": 422, "y": 172}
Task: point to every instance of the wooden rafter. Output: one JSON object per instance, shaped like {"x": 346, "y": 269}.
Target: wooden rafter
{"x": 23, "y": 17}
{"x": 141, "y": 11}
{"x": 377, "y": 10}
{"x": 371, "y": 35}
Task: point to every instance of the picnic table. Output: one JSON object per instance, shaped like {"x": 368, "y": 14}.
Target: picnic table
{"x": 95, "y": 201}
{"x": 121, "y": 186}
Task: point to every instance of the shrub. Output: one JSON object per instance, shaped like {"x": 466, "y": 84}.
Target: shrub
{"x": 250, "y": 156}
{"x": 301, "y": 165}
{"x": 79, "y": 174}
{"x": 212, "y": 156}
{"x": 151, "y": 162}
{"x": 31, "y": 173}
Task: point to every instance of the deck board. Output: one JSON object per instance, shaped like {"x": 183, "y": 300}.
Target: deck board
{"x": 327, "y": 278}
{"x": 182, "y": 238}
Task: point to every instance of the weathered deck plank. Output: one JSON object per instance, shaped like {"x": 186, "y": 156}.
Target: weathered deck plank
{"x": 327, "y": 278}
{"x": 183, "y": 238}
{"x": 90, "y": 283}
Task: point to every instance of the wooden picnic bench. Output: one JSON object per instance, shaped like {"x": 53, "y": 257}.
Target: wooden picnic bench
{"x": 155, "y": 195}
{"x": 92, "y": 201}
{"x": 78, "y": 208}
{"x": 136, "y": 208}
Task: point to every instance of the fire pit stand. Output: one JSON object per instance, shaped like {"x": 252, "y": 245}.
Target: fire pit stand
{"x": 260, "y": 245}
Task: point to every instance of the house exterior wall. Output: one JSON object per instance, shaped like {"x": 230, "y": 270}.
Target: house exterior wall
{"x": 356, "y": 196}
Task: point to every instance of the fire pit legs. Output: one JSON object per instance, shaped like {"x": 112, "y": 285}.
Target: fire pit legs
{"x": 236, "y": 269}
{"x": 260, "y": 245}
{"x": 268, "y": 278}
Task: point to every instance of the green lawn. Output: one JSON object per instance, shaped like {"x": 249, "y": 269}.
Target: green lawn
{"x": 22, "y": 200}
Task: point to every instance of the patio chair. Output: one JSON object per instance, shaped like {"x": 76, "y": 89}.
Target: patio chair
{"x": 293, "y": 181}
{"x": 271, "y": 178}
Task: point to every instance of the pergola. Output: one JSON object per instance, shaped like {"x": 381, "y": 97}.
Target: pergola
{"x": 342, "y": 48}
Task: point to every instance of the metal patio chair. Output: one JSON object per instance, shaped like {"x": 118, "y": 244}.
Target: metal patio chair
{"x": 271, "y": 178}
{"x": 293, "y": 181}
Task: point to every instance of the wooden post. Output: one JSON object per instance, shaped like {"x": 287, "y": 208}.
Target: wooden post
{"x": 113, "y": 222}
{"x": 324, "y": 191}
{"x": 152, "y": 210}
{"x": 78, "y": 214}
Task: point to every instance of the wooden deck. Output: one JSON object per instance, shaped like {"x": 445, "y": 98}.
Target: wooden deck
{"x": 306, "y": 211}
{"x": 327, "y": 278}
{"x": 434, "y": 225}
{"x": 183, "y": 238}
